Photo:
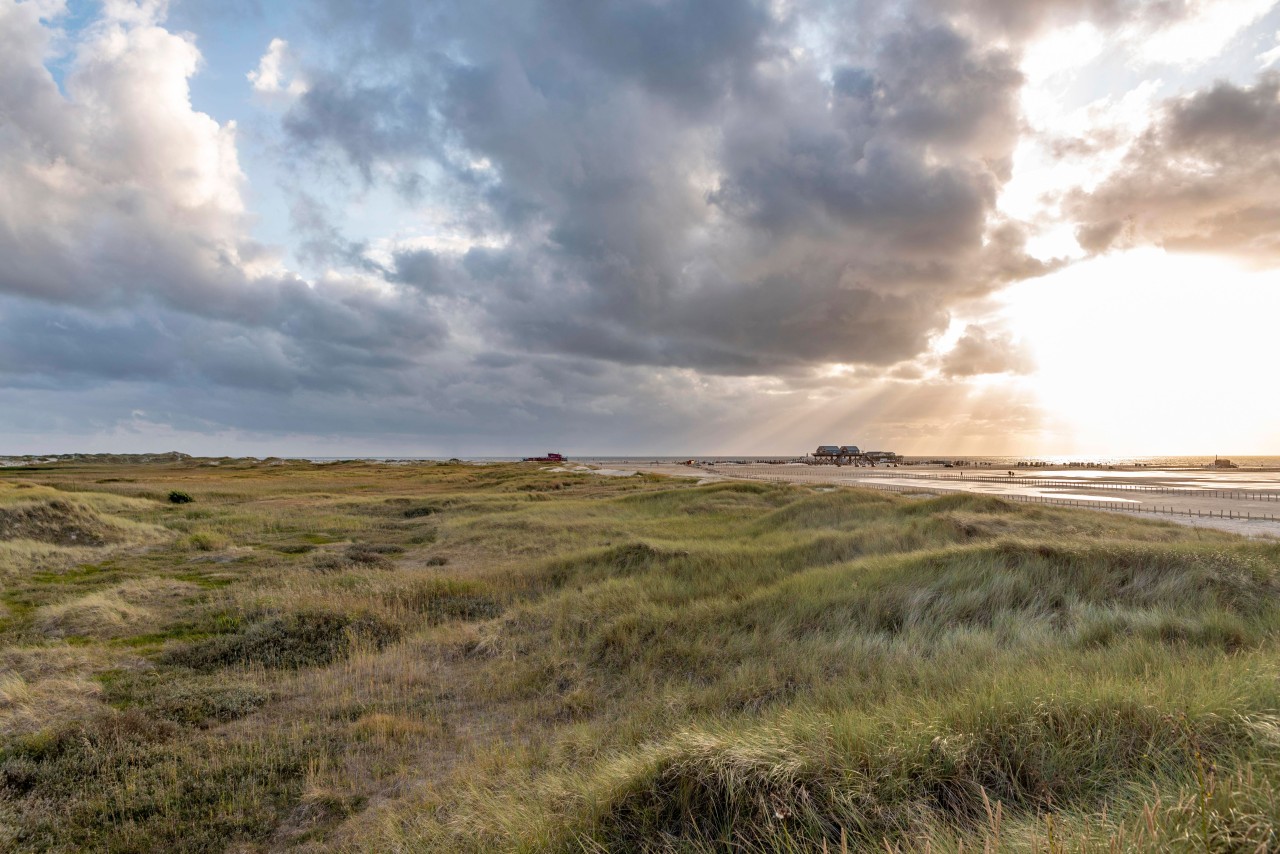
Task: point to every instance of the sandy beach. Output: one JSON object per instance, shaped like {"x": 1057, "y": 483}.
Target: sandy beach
{"x": 1242, "y": 502}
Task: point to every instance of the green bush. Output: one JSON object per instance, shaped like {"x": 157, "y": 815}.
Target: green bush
{"x": 177, "y": 497}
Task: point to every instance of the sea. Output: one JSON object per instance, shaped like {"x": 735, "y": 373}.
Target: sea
{"x": 1161, "y": 462}
{"x": 1244, "y": 461}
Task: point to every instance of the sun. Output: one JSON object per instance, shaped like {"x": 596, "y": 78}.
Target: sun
{"x": 1149, "y": 352}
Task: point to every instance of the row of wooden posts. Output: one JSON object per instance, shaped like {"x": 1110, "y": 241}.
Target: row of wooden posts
{"x": 1111, "y": 505}
{"x": 1237, "y": 494}
{"x": 1074, "y": 502}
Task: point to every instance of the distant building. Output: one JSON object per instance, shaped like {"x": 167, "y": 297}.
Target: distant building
{"x": 851, "y": 455}
{"x": 552, "y": 457}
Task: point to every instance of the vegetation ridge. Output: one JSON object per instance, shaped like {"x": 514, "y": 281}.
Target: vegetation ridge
{"x": 427, "y": 657}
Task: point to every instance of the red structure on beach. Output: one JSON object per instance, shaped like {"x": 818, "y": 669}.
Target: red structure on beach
{"x": 552, "y": 457}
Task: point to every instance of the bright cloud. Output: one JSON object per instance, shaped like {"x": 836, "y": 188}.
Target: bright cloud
{"x": 1203, "y": 33}
{"x": 1270, "y": 57}
{"x": 277, "y": 72}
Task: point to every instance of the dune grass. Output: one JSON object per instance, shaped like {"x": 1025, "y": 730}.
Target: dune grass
{"x": 438, "y": 657}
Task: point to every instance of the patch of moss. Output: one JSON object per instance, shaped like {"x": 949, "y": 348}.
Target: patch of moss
{"x": 205, "y": 581}
{"x": 95, "y": 573}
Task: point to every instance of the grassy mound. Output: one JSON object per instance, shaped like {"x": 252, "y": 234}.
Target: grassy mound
{"x": 101, "y": 615}
{"x": 820, "y": 780}
{"x": 111, "y": 612}
{"x": 58, "y": 522}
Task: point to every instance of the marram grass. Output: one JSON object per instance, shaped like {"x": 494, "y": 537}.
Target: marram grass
{"x": 435, "y": 657}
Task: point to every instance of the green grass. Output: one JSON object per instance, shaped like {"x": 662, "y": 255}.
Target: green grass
{"x": 446, "y": 657}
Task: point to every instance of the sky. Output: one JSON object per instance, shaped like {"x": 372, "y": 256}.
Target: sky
{"x": 485, "y": 227}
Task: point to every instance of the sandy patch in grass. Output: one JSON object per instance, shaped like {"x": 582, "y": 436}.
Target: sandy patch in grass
{"x": 590, "y": 470}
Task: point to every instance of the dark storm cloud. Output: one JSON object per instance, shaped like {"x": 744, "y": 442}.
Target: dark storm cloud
{"x": 656, "y": 191}
{"x": 689, "y": 53}
{"x": 679, "y": 186}
{"x": 1204, "y": 177}
{"x": 369, "y": 122}
{"x": 40, "y": 344}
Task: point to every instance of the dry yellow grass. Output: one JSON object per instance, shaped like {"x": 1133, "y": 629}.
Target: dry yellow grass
{"x": 96, "y": 615}
{"x": 448, "y": 658}
{"x": 113, "y": 612}
{"x": 47, "y": 687}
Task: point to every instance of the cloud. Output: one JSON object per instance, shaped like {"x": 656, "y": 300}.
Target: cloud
{"x": 981, "y": 351}
{"x": 122, "y": 219}
{"x": 119, "y": 169}
{"x": 1202, "y": 178}
{"x": 1269, "y": 58}
{"x": 1161, "y": 32}
{"x": 649, "y": 216}
{"x": 620, "y": 219}
{"x": 1199, "y": 33}
{"x": 277, "y": 72}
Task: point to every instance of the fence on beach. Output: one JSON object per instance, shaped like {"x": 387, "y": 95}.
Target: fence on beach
{"x": 1190, "y": 492}
{"x": 1084, "y": 503}
{"x": 1081, "y": 503}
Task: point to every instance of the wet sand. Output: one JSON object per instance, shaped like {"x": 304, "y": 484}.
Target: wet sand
{"x": 1231, "y": 500}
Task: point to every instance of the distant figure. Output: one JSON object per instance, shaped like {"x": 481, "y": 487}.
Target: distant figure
{"x": 1010, "y": 474}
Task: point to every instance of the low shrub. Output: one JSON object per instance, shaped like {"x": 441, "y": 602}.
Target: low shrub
{"x": 177, "y": 497}
{"x": 301, "y": 639}
{"x": 58, "y": 522}
{"x": 371, "y": 553}
{"x": 419, "y": 512}
{"x": 193, "y": 700}
{"x": 207, "y": 702}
